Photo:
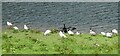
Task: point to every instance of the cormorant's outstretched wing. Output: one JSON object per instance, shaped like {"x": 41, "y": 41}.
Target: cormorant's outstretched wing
{"x": 73, "y": 28}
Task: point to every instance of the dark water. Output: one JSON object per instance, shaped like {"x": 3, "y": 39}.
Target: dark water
{"x": 102, "y": 16}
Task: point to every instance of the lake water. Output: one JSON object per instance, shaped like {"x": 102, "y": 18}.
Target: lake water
{"x": 101, "y": 16}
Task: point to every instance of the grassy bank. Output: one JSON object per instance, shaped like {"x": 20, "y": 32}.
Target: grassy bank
{"x": 33, "y": 42}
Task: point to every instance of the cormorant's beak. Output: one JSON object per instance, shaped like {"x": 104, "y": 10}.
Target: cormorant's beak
{"x": 90, "y": 29}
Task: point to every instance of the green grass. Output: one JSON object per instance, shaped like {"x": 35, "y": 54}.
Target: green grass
{"x": 33, "y": 42}
{"x": 0, "y": 42}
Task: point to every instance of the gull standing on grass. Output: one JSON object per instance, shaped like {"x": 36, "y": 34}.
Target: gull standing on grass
{"x": 108, "y": 34}
{"x": 25, "y": 27}
{"x": 70, "y": 32}
{"x": 62, "y": 35}
{"x": 77, "y": 33}
{"x": 114, "y": 31}
{"x": 15, "y": 27}
{"x": 9, "y": 24}
{"x": 93, "y": 33}
{"x": 103, "y": 33}
{"x": 47, "y": 32}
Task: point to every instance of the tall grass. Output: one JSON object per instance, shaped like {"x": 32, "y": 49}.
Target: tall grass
{"x": 34, "y": 42}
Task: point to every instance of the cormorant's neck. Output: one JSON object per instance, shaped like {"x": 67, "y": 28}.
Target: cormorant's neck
{"x": 64, "y": 25}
